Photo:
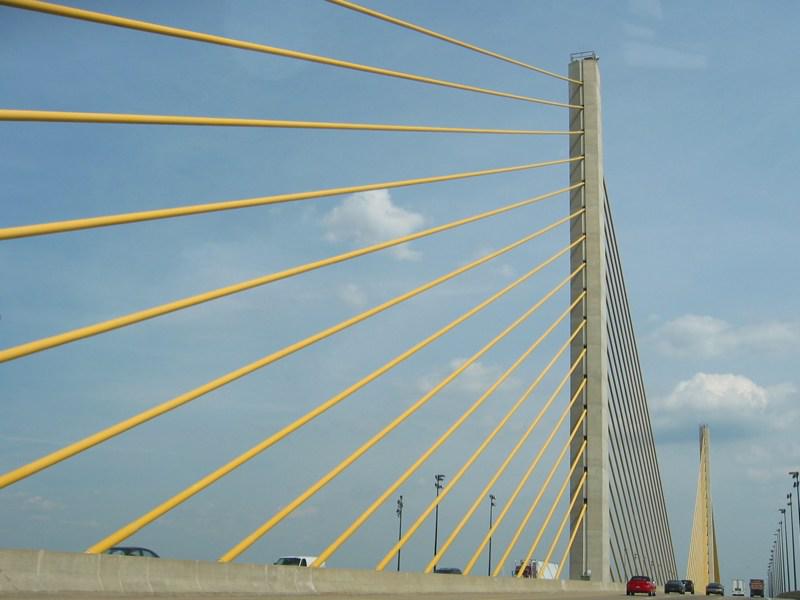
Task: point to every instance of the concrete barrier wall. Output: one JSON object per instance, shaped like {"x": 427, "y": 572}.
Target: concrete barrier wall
{"x": 53, "y": 572}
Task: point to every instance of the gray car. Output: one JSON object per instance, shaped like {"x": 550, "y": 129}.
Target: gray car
{"x": 674, "y": 585}
{"x": 715, "y": 588}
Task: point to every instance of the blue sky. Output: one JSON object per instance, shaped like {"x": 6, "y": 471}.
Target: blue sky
{"x": 699, "y": 155}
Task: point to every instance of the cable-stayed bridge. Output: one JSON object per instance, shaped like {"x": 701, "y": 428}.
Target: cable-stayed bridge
{"x": 553, "y": 439}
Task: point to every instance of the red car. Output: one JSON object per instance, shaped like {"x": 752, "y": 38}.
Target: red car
{"x": 640, "y": 584}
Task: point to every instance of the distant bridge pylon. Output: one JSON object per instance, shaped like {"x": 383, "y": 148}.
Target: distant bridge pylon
{"x": 703, "y": 564}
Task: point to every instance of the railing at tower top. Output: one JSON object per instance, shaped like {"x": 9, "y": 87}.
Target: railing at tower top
{"x": 498, "y": 347}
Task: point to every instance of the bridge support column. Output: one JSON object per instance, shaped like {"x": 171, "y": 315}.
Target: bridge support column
{"x": 590, "y": 554}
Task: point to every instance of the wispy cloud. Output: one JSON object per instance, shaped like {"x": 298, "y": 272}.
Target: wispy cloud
{"x": 761, "y": 464}
{"x": 475, "y": 379}
{"x": 31, "y": 503}
{"x": 352, "y": 294}
{"x": 646, "y": 8}
{"x": 637, "y": 31}
{"x": 701, "y": 336}
{"x": 637, "y": 53}
{"x": 371, "y": 217}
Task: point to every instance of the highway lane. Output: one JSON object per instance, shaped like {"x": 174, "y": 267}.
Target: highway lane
{"x": 438, "y": 596}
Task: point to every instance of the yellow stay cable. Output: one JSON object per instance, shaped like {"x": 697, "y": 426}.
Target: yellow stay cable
{"x": 107, "y": 19}
{"x": 533, "y": 464}
{"x": 134, "y": 526}
{"x": 563, "y": 523}
{"x": 248, "y": 541}
{"x": 554, "y": 506}
{"x": 506, "y": 462}
{"x": 538, "y": 498}
{"x": 447, "y": 38}
{"x": 68, "y": 451}
{"x": 52, "y": 116}
{"x": 488, "y": 439}
{"x": 157, "y": 311}
{"x": 197, "y": 209}
{"x": 328, "y": 552}
{"x": 435, "y": 560}
{"x": 571, "y": 541}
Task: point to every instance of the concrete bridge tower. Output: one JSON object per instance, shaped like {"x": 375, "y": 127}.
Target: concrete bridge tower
{"x": 703, "y": 564}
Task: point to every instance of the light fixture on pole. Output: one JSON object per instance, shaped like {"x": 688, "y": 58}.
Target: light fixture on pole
{"x": 491, "y": 507}
{"x": 399, "y": 512}
{"x": 439, "y": 479}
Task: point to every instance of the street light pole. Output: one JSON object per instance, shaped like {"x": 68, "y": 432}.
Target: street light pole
{"x": 491, "y": 507}
{"x": 773, "y": 582}
{"x": 769, "y": 577}
{"x": 779, "y": 560}
{"x": 439, "y": 478}
{"x": 786, "y": 547}
{"x": 796, "y": 476}
{"x": 794, "y": 556}
{"x": 399, "y": 512}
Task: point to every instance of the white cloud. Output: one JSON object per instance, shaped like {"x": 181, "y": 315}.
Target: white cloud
{"x": 697, "y": 336}
{"x": 642, "y": 54}
{"x": 40, "y": 504}
{"x": 507, "y": 270}
{"x": 370, "y": 217}
{"x": 733, "y": 405}
{"x": 475, "y": 379}
{"x": 711, "y": 393}
{"x": 352, "y": 295}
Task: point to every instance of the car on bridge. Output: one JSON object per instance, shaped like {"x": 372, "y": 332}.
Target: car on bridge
{"x": 688, "y": 586}
{"x": 715, "y": 588}
{"x": 131, "y": 551}
{"x": 675, "y": 585}
{"x": 448, "y": 570}
{"x": 296, "y": 561}
{"x": 640, "y": 584}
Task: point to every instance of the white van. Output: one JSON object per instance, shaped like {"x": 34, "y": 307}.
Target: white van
{"x": 297, "y": 561}
{"x": 737, "y": 587}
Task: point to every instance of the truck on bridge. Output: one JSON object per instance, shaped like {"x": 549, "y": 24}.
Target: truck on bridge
{"x": 537, "y": 569}
{"x": 756, "y": 588}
